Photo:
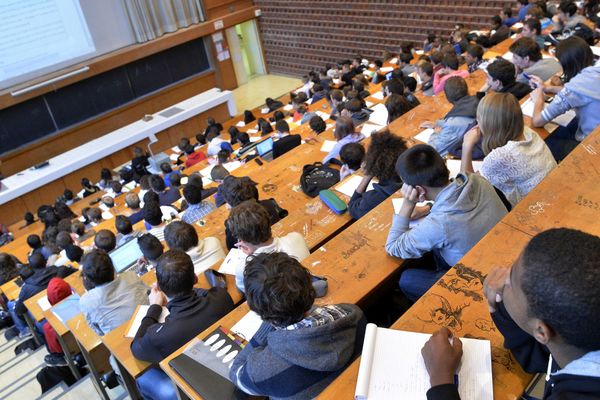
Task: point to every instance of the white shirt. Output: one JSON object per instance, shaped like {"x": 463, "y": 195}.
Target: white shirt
{"x": 518, "y": 166}
{"x": 214, "y": 146}
{"x": 206, "y": 254}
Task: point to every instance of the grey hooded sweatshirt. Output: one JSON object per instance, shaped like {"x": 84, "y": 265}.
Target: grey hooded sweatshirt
{"x": 454, "y": 125}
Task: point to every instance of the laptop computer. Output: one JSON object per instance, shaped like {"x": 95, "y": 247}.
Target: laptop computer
{"x": 265, "y": 149}
{"x": 126, "y": 255}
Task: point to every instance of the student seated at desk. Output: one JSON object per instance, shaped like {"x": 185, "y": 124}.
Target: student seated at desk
{"x": 125, "y": 230}
{"x": 449, "y": 69}
{"x": 344, "y": 133}
{"x": 203, "y": 252}
{"x": 474, "y": 57}
{"x": 336, "y": 101}
{"x": 450, "y": 130}
{"x": 501, "y": 78}
{"x": 166, "y": 196}
{"x": 191, "y": 312}
{"x": 425, "y": 72}
{"x": 317, "y": 125}
{"x": 300, "y": 348}
{"x": 153, "y": 216}
{"x": 196, "y": 207}
{"x": 532, "y": 29}
{"x": 9, "y": 267}
{"x": 35, "y": 243}
{"x": 250, "y": 224}
{"x": 106, "y": 178}
{"x": 88, "y": 188}
{"x": 380, "y": 162}
{"x": 235, "y": 191}
{"x": 273, "y": 105}
{"x": 105, "y": 240}
{"x": 94, "y": 217}
{"x": 351, "y": 155}
{"x": 305, "y": 115}
{"x": 139, "y": 163}
{"x": 568, "y": 16}
{"x": 193, "y": 156}
{"x": 216, "y": 143}
{"x": 286, "y": 142}
{"x": 464, "y": 211}
{"x": 527, "y": 57}
{"x": 516, "y": 158}
{"x": 167, "y": 171}
{"x": 151, "y": 249}
{"x": 35, "y": 279}
{"x": 110, "y": 299}
{"x": 397, "y": 105}
{"x": 210, "y": 122}
{"x": 549, "y": 318}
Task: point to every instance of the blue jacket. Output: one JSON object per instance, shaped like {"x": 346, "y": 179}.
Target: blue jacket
{"x": 361, "y": 203}
{"x": 454, "y": 125}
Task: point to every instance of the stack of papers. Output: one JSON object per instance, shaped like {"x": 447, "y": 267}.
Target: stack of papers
{"x": 348, "y": 186}
{"x": 176, "y": 149}
{"x": 394, "y": 60}
{"x": 386, "y": 69}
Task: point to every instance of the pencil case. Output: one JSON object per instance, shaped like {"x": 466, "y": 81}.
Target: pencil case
{"x": 333, "y": 201}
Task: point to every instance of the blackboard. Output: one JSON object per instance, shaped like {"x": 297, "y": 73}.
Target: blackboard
{"x": 64, "y": 108}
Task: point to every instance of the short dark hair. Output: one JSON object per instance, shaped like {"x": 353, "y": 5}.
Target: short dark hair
{"x": 574, "y": 54}
{"x": 282, "y": 126}
{"x": 567, "y": 299}
{"x": 77, "y": 227}
{"x": 223, "y": 156}
{"x": 74, "y": 253}
{"x": 496, "y": 20}
{"x": 395, "y": 86}
{"x": 123, "y": 225}
{"x": 475, "y": 50}
{"x": 151, "y": 211}
{"x": 526, "y": 47}
{"x": 116, "y": 186}
{"x": 105, "y": 240}
{"x": 382, "y": 154}
{"x": 95, "y": 214}
{"x": 568, "y": 7}
{"x": 157, "y": 183}
{"x": 150, "y": 246}
{"x": 243, "y": 138}
{"x": 426, "y": 67}
{"x": 352, "y": 154}
{"x": 436, "y": 57}
{"x": 278, "y": 288}
{"x": 175, "y": 273}
{"x": 344, "y": 126}
{"x": 63, "y": 239}
{"x": 397, "y": 105}
{"x": 68, "y": 194}
{"x": 36, "y": 260}
{"x": 317, "y": 124}
{"x": 250, "y": 222}
{"x": 502, "y": 70}
{"x": 421, "y": 165}
{"x": 405, "y": 57}
{"x": 166, "y": 167}
{"x": 534, "y": 24}
{"x": 507, "y": 11}
{"x": 217, "y": 174}
{"x": 34, "y": 241}
{"x": 354, "y": 105}
{"x": 450, "y": 60}
{"x": 195, "y": 179}
{"x": 192, "y": 194}
{"x": 180, "y": 235}
{"x": 410, "y": 83}
{"x": 97, "y": 268}
{"x": 455, "y": 89}
{"x": 238, "y": 189}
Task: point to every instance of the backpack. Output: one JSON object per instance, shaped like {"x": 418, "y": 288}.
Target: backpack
{"x": 316, "y": 177}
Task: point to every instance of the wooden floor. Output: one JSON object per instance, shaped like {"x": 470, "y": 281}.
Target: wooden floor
{"x": 254, "y": 93}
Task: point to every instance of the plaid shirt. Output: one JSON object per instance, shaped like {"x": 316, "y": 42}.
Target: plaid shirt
{"x": 196, "y": 211}
{"x": 319, "y": 316}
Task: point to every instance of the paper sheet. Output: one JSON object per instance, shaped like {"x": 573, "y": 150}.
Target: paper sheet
{"x": 328, "y": 145}
{"x": 234, "y": 258}
{"x": 205, "y": 172}
{"x": 139, "y": 316}
{"x": 251, "y": 131}
{"x": 176, "y": 149}
{"x": 392, "y": 367}
{"x": 264, "y": 110}
{"x": 367, "y": 129}
{"x": 323, "y": 115}
{"x": 596, "y": 50}
{"x": 454, "y": 167}
{"x": 563, "y": 120}
{"x": 379, "y": 116}
{"x": 394, "y": 60}
{"x": 44, "y": 303}
{"x": 348, "y": 186}
{"x": 378, "y": 95}
{"x": 247, "y": 326}
{"x": 255, "y": 139}
{"x": 369, "y": 104}
{"x": 420, "y": 52}
{"x": 288, "y": 107}
{"x": 232, "y": 166}
{"x": 386, "y": 69}
{"x": 425, "y": 135}
{"x": 107, "y": 215}
{"x": 240, "y": 124}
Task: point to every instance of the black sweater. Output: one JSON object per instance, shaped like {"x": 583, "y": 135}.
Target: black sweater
{"x": 362, "y": 203}
{"x": 533, "y": 357}
{"x": 189, "y": 315}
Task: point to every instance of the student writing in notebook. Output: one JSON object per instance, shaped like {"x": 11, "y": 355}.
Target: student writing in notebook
{"x": 547, "y": 306}
{"x": 300, "y": 348}
{"x": 191, "y": 311}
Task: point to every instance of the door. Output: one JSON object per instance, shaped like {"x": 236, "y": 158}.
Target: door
{"x": 246, "y": 51}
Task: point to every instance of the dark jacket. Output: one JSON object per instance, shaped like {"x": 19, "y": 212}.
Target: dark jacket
{"x": 190, "y": 314}
{"x": 285, "y": 144}
{"x": 318, "y": 96}
{"x": 136, "y": 217}
{"x": 501, "y": 34}
{"x": 275, "y": 212}
{"x": 576, "y": 381}
{"x": 360, "y": 204}
{"x": 37, "y": 282}
{"x": 361, "y": 116}
{"x": 168, "y": 197}
{"x": 518, "y": 89}
{"x": 138, "y": 165}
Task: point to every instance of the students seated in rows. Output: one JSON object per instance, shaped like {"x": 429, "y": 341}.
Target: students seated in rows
{"x": 549, "y": 318}
{"x": 568, "y": 16}
{"x": 507, "y": 17}
{"x": 319, "y": 93}
{"x": 203, "y": 252}
{"x": 396, "y": 106}
{"x": 336, "y": 101}
{"x": 35, "y": 243}
{"x": 501, "y": 77}
{"x": 305, "y": 114}
{"x": 300, "y": 348}
{"x": 380, "y": 162}
{"x": 517, "y": 159}
{"x": 449, "y": 69}
{"x": 273, "y": 105}
{"x": 110, "y": 299}
{"x": 285, "y": 141}
{"x": 498, "y": 33}
{"x": 449, "y": 131}
{"x": 139, "y": 163}
{"x": 88, "y": 188}
{"x": 344, "y": 133}
{"x": 191, "y": 311}
{"x": 250, "y": 224}
{"x": 474, "y": 57}
{"x": 166, "y": 197}
{"x": 193, "y": 156}
{"x": 528, "y": 59}
{"x": 36, "y": 277}
{"x": 425, "y": 72}
{"x": 580, "y": 92}
{"x": 125, "y": 230}
{"x": 532, "y": 29}
{"x": 352, "y": 156}
{"x": 317, "y": 125}
{"x": 469, "y": 202}
{"x": 197, "y": 208}
{"x": 348, "y": 73}
{"x": 153, "y": 216}
{"x": 106, "y": 178}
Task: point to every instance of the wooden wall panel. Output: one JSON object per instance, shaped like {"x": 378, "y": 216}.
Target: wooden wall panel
{"x": 304, "y": 35}
{"x": 219, "y": 8}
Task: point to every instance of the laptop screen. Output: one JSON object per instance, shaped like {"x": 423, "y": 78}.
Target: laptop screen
{"x": 265, "y": 146}
{"x": 125, "y": 255}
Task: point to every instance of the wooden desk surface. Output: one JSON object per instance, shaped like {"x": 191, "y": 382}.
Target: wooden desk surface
{"x": 457, "y": 302}
{"x": 91, "y": 342}
{"x": 10, "y": 289}
{"x": 119, "y": 346}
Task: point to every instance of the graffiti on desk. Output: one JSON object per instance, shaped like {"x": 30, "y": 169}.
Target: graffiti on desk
{"x": 485, "y": 325}
{"x": 538, "y": 207}
{"x": 328, "y": 219}
{"x": 269, "y": 187}
{"x": 443, "y": 313}
{"x": 504, "y": 358}
{"x": 377, "y": 223}
{"x": 313, "y": 208}
{"x": 583, "y": 202}
{"x": 465, "y": 280}
{"x": 357, "y": 241}
{"x": 590, "y": 149}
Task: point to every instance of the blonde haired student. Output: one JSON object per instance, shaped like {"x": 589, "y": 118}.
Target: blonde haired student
{"x": 516, "y": 158}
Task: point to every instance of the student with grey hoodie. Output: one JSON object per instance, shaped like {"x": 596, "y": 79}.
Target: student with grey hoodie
{"x": 580, "y": 92}
{"x": 300, "y": 348}
{"x": 450, "y": 130}
{"x": 464, "y": 210}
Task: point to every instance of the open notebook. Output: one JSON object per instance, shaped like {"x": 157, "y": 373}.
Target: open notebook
{"x": 392, "y": 367}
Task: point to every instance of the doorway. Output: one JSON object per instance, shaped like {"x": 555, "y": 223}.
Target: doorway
{"x": 246, "y": 51}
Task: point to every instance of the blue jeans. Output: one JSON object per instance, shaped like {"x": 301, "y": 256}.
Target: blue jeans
{"x": 154, "y": 384}
{"x": 562, "y": 141}
{"x": 415, "y": 282}
{"x": 19, "y": 321}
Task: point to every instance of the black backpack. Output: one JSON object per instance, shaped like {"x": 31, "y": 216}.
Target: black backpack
{"x": 316, "y": 177}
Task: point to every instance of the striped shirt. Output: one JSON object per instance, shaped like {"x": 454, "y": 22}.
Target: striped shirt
{"x": 196, "y": 211}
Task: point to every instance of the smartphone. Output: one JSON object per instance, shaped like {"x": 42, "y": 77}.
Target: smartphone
{"x": 528, "y": 77}
{"x": 258, "y": 161}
